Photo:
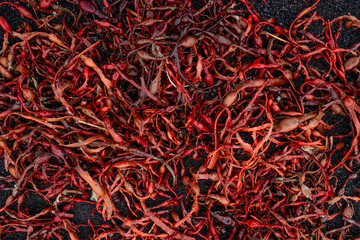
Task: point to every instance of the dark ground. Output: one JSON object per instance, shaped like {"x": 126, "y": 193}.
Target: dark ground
{"x": 284, "y": 11}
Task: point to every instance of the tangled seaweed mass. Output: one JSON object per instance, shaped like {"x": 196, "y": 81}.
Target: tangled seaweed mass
{"x": 175, "y": 121}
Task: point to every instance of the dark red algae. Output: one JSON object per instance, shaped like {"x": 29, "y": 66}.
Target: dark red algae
{"x": 169, "y": 119}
